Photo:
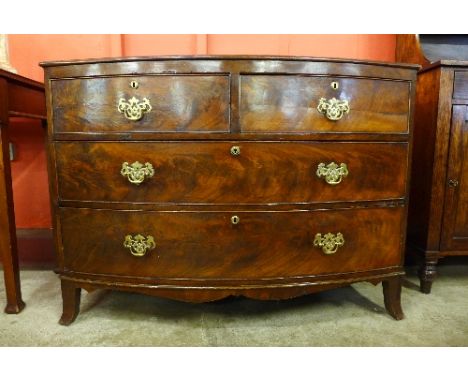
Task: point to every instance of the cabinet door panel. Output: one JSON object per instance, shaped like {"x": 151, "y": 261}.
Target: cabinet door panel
{"x": 455, "y": 227}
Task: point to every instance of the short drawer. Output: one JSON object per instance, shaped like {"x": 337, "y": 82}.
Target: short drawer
{"x": 150, "y": 103}
{"x": 230, "y": 172}
{"x": 216, "y": 245}
{"x": 460, "y": 87}
{"x": 301, "y": 104}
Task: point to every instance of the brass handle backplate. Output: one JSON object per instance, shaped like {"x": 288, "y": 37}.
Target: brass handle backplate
{"x": 137, "y": 172}
{"x": 133, "y": 109}
{"x": 329, "y": 242}
{"x": 333, "y": 173}
{"x": 333, "y": 109}
{"x": 139, "y": 244}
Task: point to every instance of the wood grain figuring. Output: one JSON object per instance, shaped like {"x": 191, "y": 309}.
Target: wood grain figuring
{"x": 201, "y": 172}
{"x": 202, "y": 107}
{"x": 455, "y": 224}
{"x": 460, "y": 85}
{"x": 208, "y": 245}
{"x": 179, "y": 103}
{"x": 289, "y": 104}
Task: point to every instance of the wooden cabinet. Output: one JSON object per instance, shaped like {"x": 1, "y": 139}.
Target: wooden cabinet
{"x": 438, "y": 211}
{"x": 201, "y": 178}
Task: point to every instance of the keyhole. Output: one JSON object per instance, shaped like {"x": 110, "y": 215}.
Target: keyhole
{"x": 235, "y": 150}
{"x": 335, "y": 85}
{"x": 235, "y": 219}
{"x": 134, "y": 84}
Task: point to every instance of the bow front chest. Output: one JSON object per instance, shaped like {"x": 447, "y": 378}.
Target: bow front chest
{"x": 197, "y": 178}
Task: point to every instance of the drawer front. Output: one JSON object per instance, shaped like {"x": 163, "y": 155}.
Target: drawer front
{"x": 155, "y": 103}
{"x": 460, "y": 87}
{"x": 213, "y": 172}
{"x": 208, "y": 244}
{"x": 290, "y": 104}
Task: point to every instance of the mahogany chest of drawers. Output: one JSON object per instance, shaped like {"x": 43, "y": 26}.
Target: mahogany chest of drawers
{"x": 198, "y": 178}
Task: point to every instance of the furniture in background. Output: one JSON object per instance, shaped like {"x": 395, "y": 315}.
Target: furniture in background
{"x": 198, "y": 178}
{"x": 20, "y": 97}
{"x": 438, "y": 210}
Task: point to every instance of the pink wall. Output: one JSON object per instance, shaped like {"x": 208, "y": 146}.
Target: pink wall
{"x": 26, "y": 51}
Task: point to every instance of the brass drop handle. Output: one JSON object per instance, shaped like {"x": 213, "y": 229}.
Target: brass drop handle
{"x": 453, "y": 183}
{"x": 329, "y": 242}
{"x": 139, "y": 244}
{"x": 235, "y": 219}
{"x": 134, "y": 109}
{"x": 136, "y": 172}
{"x": 332, "y": 173}
{"x": 235, "y": 150}
{"x": 333, "y": 109}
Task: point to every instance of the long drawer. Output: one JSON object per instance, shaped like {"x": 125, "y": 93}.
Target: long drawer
{"x": 150, "y": 103}
{"x": 230, "y": 244}
{"x": 300, "y": 104}
{"x": 230, "y": 172}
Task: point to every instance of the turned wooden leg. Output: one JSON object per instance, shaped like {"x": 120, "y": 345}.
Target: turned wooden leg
{"x": 427, "y": 274}
{"x": 71, "y": 296}
{"x": 392, "y": 297}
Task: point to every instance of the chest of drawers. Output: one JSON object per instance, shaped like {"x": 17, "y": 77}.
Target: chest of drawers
{"x": 198, "y": 178}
